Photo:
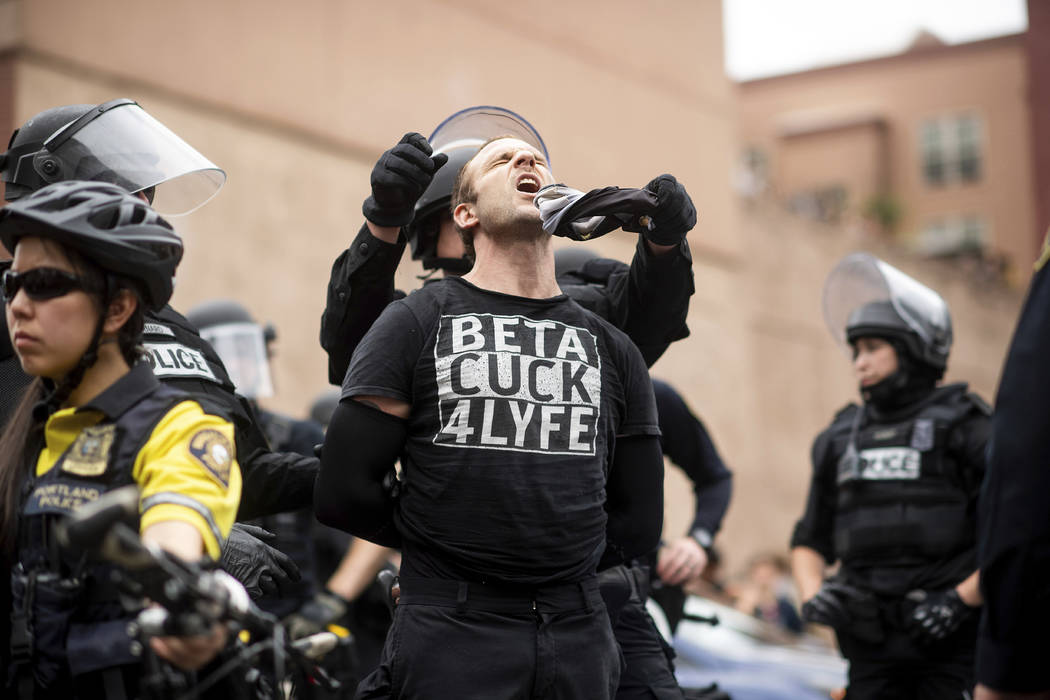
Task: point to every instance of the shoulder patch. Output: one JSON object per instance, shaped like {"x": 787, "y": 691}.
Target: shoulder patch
{"x": 89, "y": 453}
{"x": 213, "y": 451}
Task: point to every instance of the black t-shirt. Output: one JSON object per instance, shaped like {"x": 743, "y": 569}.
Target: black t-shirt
{"x": 516, "y": 404}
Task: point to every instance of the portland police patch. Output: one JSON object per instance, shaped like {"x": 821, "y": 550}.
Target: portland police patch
{"x": 213, "y": 450}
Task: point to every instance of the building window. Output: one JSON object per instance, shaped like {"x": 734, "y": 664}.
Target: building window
{"x": 959, "y": 235}
{"x": 951, "y": 149}
{"x": 827, "y": 204}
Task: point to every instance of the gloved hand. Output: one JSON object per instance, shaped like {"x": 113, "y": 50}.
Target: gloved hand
{"x": 399, "y": 178}
{"x": 845, "y": 607}
{"x": 937, "y": 615}
{"x": 262, "y": 569}
{"x": 316, "y": 614}
{"x": 389, "y": 582}
{"x": 674, "y": 215}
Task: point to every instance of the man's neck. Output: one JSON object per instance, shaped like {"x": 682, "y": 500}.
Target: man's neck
{"x": 522, "y": 267}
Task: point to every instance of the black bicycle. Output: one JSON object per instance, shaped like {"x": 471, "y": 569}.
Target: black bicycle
{"x": 179, "y": 597}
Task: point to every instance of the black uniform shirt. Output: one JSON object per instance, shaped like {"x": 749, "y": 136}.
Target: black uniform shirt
{"x": 514, "y": 415}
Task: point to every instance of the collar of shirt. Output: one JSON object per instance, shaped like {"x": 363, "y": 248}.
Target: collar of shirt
{"x": 124, "y": 393}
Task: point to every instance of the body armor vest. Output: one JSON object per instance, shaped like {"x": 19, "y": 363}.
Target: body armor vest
{"x": 903, "y": 497}
{"x": 67, "y": 617}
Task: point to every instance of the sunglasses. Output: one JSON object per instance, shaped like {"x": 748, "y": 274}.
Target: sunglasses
{"x": 40, "y": 283}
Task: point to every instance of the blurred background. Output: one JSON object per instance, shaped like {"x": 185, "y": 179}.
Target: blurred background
{"x": 917, "y": 131}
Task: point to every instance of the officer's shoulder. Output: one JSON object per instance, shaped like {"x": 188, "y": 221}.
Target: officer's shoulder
{"x": 170, "y": 317}
{"x": 844, "y": 414}
{"x": 841, "y": 422}
{"x": 959, "y": 396}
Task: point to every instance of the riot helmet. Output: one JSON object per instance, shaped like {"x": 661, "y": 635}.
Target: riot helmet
{"x": 324, "y": 405}
{"x": 240, "y": 342}
{"x": 460, "y": 137}
{"x": 865, "y": 296}
{"x": 106, "y": 225}
{"x": 116, "y": 142}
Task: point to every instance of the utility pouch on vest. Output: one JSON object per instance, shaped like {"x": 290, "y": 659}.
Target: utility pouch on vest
{"x": 47, "y": 603}
{"x": 95, "y": 646}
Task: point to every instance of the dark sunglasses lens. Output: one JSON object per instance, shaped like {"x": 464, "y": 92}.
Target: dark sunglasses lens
{"x": 40, "y": 283}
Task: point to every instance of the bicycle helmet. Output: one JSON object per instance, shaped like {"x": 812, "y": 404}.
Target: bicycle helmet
{"x": 117, "y": 231}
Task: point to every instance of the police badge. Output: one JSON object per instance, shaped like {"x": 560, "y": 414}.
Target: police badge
{"x": 89, "y": 454}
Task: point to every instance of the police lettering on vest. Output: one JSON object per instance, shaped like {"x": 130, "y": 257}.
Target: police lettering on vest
{"x": 177, "y": 360}
{"x": 513, "y": 383}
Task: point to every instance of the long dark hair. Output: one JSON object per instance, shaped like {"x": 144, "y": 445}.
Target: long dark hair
{"x": 22, "y": 431}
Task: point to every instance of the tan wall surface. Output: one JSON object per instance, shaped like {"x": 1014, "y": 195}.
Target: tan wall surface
{"x": 847, "y": 157}
{"x": 988, "y": 78}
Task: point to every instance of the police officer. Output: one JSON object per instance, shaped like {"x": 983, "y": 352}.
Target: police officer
{"x": 894, "y": 494}
{"x": 88, "y": 259}
{"x": 1014, "y": 547}
{"x": 119, "y": 142}
{"x": 411, "y": 191}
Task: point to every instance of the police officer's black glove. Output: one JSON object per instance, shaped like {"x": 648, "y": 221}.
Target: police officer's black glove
{"x": 316, "y": 614}
{"x": 937, "y": 615}
{"x": 399, "y": 178}
{"x": 262, "y": 569}
{"x": 674, "y": 215}
{"x": 845, "y": 607}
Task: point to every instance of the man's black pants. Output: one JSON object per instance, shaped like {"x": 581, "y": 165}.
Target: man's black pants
{"x": 458, "y": 640}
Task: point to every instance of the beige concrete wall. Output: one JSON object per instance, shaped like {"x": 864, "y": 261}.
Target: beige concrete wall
{"x": 987, "y": 78}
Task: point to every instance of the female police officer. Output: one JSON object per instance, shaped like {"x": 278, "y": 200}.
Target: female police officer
{"x": 88, "y": 259}
{"x": 893, "y": 494}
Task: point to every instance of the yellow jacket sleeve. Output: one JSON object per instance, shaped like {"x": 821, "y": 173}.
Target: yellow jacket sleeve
{"x": 188, "y": 471}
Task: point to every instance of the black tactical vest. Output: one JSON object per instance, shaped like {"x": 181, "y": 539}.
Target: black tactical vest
{"x": 67, "y": 618}
{"x": 903, "y": 496}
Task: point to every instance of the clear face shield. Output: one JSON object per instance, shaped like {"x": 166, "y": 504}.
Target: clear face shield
{"x": 242, "y": 348}
{"x": 118, "y": 142}
{"x": 472, "y": 127}
{"x": 860, "y": 279}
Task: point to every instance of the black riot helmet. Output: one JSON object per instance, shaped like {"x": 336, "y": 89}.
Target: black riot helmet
{"x": 105, "y": 224}
{"x": 17, "y": 164}
{"x": 867, "y": 297}
{"x": 115, "y": 142}
{"x": 460, "y": 137}
{"x": 218, "y": 312}
{"x": 240, "y": 341}
{"x": 323, "y": 406}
